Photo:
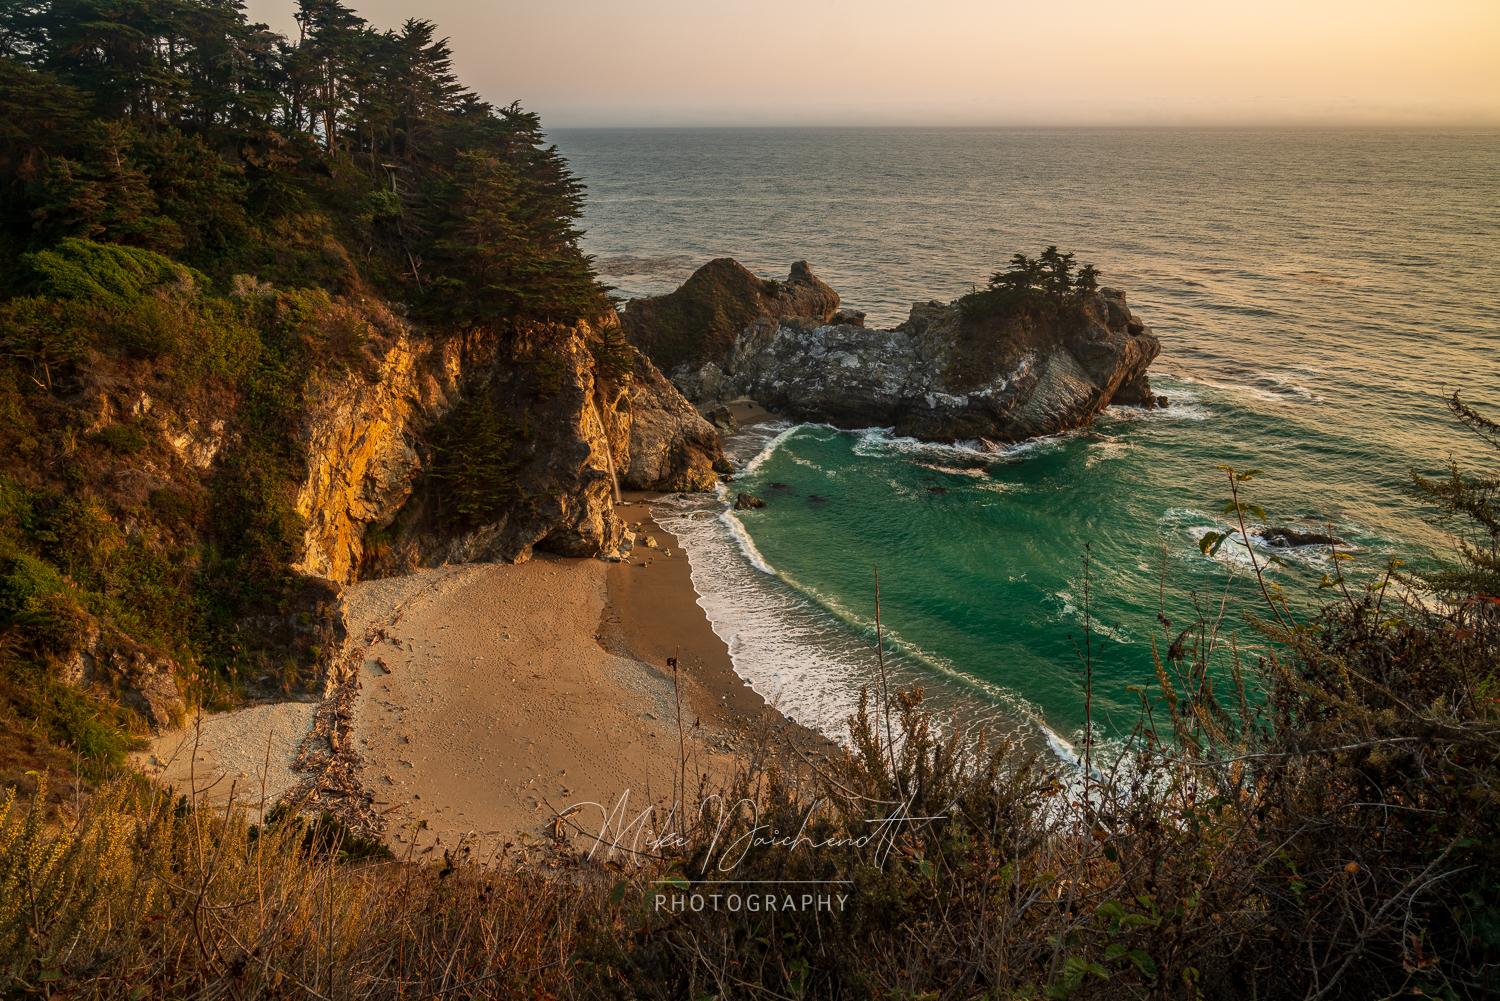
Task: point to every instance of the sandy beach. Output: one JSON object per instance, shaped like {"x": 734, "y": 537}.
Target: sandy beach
{"x": 492, "y": 697}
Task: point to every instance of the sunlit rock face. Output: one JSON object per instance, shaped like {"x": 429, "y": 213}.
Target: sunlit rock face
{"x": 671, "y": 446}
{"x": 374, "y": 494}
{"x": 941, "y": 376}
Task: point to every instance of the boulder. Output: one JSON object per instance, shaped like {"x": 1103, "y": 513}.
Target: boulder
{"x": 722, "y": 418}
{"x": 112, "y": 665}
{"x": 672, "y": 448}
{"x": 1135, "y": 393}
{"x": 745, "y": 502}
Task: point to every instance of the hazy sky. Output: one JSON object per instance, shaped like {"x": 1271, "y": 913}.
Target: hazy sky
{"x": 969, "y": 62}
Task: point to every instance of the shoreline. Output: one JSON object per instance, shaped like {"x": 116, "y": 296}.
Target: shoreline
{"x": 490, "y": 697}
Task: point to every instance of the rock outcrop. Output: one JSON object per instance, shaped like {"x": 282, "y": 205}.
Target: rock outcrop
{"x": 112, "y": 665}
{"x": 376, "y": 501}
{"x": 1289, "y": 538}
{"x": 699, "y": 322}
{"x": 672, "y": 447}
{"x": 941, "y": 375}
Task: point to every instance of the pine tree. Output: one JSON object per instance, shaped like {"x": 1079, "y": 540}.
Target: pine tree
{"x": 1469, "y": 506}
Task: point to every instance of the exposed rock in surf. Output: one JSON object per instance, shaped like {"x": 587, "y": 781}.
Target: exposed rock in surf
{"x": 1288, "y": 538}
{"x": 940, "y": 376}
{"x": 744, "y": 502}
{"x": 722, "y": 418}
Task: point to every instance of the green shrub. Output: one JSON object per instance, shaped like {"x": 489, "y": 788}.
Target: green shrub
{"x": 470, "y": 472}
{"x": 1046, "y": 281}
{"x": 173, "y": 507}
{"x": 24, "y": 582}
{"x": 46, "y": 331}
{"x": 103, "y": 273}
{"x": 379, "y": 205}
{"x": 123, "y": 439}
{"x": 149, "y": 329}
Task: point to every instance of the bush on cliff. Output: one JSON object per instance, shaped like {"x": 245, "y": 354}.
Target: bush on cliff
{"x": 1044, "y": 282}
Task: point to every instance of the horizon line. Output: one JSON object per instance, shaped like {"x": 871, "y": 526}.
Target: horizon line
{"x": 1198, "y": 127}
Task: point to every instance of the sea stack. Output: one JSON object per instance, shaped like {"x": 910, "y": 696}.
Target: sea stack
{"x": 943, "y": 375}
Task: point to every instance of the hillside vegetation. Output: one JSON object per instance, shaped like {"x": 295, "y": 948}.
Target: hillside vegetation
{"x": 203, "y": 226}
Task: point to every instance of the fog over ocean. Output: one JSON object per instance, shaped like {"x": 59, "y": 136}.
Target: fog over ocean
{"x": 1317, "y": 294}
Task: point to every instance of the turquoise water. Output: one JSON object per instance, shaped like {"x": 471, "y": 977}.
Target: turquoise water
{"x": 1317, "y": 294}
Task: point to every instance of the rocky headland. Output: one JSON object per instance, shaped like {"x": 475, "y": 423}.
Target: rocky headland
{"x": 943, "y": 375}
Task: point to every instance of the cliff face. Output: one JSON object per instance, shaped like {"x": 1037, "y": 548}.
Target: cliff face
{"x": 672, "y": 447}
{"x": 380, "y": 497}
{"x": 419, "y": 450}
{"x": 941, "y": 376}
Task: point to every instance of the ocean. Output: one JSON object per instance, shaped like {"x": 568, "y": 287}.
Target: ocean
{"x": 1318, "y": 294}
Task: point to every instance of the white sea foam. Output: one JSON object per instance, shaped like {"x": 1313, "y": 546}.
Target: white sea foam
{"x": 955, "y": 470}
{"x": 808, "y": 654}
{"x": 767, "y": 442}
{"x": 746, "y": 544}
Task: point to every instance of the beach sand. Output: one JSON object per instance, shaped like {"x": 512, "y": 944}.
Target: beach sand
{"x": 246, "y": 754}
{"x": 492, "y": 697}
{"x": 517, "y": 692}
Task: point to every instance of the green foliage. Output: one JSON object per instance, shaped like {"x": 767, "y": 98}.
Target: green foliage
{"x": 46, "y": 332}
{"x": 379, "y": 205}
{"x": 1046, "y": 281}
{"x": 499, "y": 253}
{"x": 104, "y": 274}
{"x": 471, "y": 472}
{"x": 126, "y": 439}
{"x": 548, "y": 371}
{"x": 25, "y": 582}
{"x": 614, "y": 358}
{"x": 324, "y": 837}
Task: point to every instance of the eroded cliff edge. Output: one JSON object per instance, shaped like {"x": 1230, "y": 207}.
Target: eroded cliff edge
{"x": 943, "y": 375}
{"x": 483, "y": 447}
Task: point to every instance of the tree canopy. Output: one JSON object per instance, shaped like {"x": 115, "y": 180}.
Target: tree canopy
{"x": 180, "y": 127}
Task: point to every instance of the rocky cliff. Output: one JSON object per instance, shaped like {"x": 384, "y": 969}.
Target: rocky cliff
{"x": 416, "y": 448}
{"x": 699, "y": 322}
{"x": 941, "y": 375}
{"x": 481, "y": 447}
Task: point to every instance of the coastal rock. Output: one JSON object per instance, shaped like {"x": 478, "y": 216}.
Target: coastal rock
{"x": 722, "y": 418}
{"x": 112, "y": 665}
{"x": 941, "y": 375}
{"x": 1287, "y": 538}
{"x": 698, "y": 323}
{"x": 373, "y": 497}
{"x": 672, "y": 448}
{"x": 745, "y": 502}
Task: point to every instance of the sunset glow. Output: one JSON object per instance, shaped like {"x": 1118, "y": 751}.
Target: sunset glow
{"x": 965, "y": 62}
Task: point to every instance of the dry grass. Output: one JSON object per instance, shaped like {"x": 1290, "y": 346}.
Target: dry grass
{"x": 1318, "y": 823}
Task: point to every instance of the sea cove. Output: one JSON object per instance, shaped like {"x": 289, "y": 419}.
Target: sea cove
{"x": 1312, "y": 315}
